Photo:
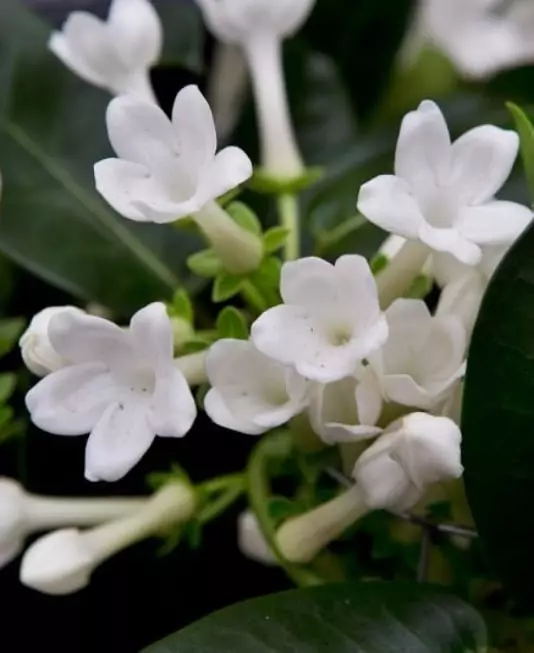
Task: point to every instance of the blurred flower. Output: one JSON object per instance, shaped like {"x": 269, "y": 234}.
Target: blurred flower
{"x": 480, "y": 37}
{"x": 115, "y": 55}
{"x": 169, "y": 170}
{"x": 443, "y": 195}
{"x": 329, "y": 322}
{"x": 414, "y": 452}
{"x": 62, "y": 562}
{"x": 22, "y": 513}
{"x": 251, "y": 542}
{"x": 250, "y": 392}
{"x": 36, "y": 349}
{"x": 258, "y": 27}
{"x": 121, "y": 386}
{"x": 419, "y": 363}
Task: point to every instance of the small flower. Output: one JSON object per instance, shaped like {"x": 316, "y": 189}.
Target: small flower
{"x": 250, "y": 392}
{"x": 121, "y": 386}
{"x": 115, "y": 55}
{"x": 334, "y": 414}
{"x": 421, "y": 360}
{"x": 62, "y": 562}
{"x": 36, "y": 349}
{"x": 329, "y": 322}
{"x": 413, "y": 453}
{"x": 442, "y": 194}
{"x": 251, "y": 541}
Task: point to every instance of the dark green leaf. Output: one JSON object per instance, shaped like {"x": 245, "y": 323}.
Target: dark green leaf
{"x": 232, "y": 324}
{"x": 226, "y": 286}
{"x": 52, "y": 131}
{"x": 498, "y": 420}
{"x": 345, "y": 618}
{"x": 10, "y": 331}
{"x": 8, "y": 382}
{"x": 525, "y": 130}
{"x": 205, "y": 263}
{"x": 267, "y": 276}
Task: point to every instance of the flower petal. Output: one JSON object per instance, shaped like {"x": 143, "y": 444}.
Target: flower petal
{"x": 230, "y": 168}
{"x": 298, "y": 276}
{"x": 387, "y": 202}
{"x": 494, "y": 223}
{"x": 117, "y": 443}
{"x": 136, "y": 30}
{"x": 357, "y": 291}
{"x": 61, "y": 47}
{"x": 482, "y": 160}
{"x": 423, "y": 148}
{"x": 218, "y": 412}
{"x": 151, "y": 332}
{"x": 452, "y": 242}
{"x": 369, "y": 400}
{"x": 172, "y": 408}
{"x": 402, "y": 389}
{"x": 71, "y": 400}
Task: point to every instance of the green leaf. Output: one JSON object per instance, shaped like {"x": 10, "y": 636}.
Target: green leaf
{"x": 205, "y": 264}
{"x": 8, "y": 382}
{"x": 226, "y": 286}
{"x": 274, "y": 239}
{"x": 267, "y": 276}
{"x": 181, "y": 306}
{"x": 344, "y": 618}
{"x": 10, "y": 331}
{"x": 232, "y": 324}
{"x": 245, "y": 217}
{"x": 498, "y": 420}
{"x": 53, "y": 222}
{"x": 525, "y": 130}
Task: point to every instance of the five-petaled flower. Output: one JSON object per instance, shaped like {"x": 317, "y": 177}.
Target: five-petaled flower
{"x": 116, "y": 55}
{"x": 121, "y": 386}
{"x": 442, "y": 194}
{"x": 329, "y": 322}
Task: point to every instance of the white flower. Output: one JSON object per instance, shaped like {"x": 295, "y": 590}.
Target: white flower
{"x": 258, "y": 27}
{"x": 251, "y": 542}
{"x": 420, "y": 362}
{"x": 166, "y": 170}
{"x": 121, "y": 386}
{"x": 115, "y": 55}
{"x": 329, "y": 322}
{"x": 334, "y": 414}
{"x": 480, "y": 37}
{"x": 36, "y": 349}
{"x": 250, "y": 392}
{"x": 442, "y": 194}
{"x": 62, "y": 562}
{"x": 414, "y": 452}
{"x": 22, "y": 514}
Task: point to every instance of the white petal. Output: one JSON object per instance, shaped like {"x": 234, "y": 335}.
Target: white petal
{"x": 136, "y": 31}
{"x": 447, "y": 269}
{"x": 462, "y": 298}
{"x": 298, "y": 276}
{"x": 402, "y": 389}
{"x": 61, "y": 47}
{"x": 173, "y": 408}
{"x": 482, "y": 160}
{"x": 357, "y": 291}
{"x": 494, "y": 223}
{"x": 423, "y": 148}
{"x": 71, "y": 400}
{"x": 383, "y": 482}
{"x": 151, "y": 332}
{"x": 387, "y": 202}
{"x": 369, "y": 397}
{"x": 230, "y": 168}
{"x": 117, "y": 443}
{"x": 452, "y": 242}
{"x": 218, "y": 411}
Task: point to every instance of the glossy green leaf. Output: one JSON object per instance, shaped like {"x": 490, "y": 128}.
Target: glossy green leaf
{"x": 274, "y": 239}
{"x": 498, "y": 421}
{"x": 525, "y": 130}
{"x": 52, "y": 131}
{"x": 345, "y": 618}
{"x": 226, "y": 286}
{"x": 232, "y": 324}
{"x": 181, "y": 306}
{"x": 10, "y": 331}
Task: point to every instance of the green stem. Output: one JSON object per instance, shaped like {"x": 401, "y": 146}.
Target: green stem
{"x": 336, "y": 235}
{"x": 276, "y": 446}
{"x": 228, "y": 488}
{"x": 288, "y": 210}
{"x": 253, "y": 297}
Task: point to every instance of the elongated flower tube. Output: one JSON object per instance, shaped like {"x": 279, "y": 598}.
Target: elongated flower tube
{"x": 62, "y": 562}
{"x": 115, "y": 55}
{"x": 258, "y": 27}
{"x": 22, "y": 513}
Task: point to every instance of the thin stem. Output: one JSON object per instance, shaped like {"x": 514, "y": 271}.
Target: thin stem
{"x": 288, "y": 210}
{"x": 336, "y": 235}
{"x": 193, "y": 367}
{"x": 228, "y": 489}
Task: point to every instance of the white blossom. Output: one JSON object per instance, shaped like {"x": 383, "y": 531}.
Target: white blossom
{"x": 329, "y": 322}
{"x": 121, "y": 387}
{"x": 480, "y": 37}
{"x": 36, "y": 349}
{"x": 250, "y": 392}
{"x": 420, "y": 362}
{"x": 62, "y": 562}
{"x": 442, "y": 194}
{"x": 251, "y": 541}
{"x": 258, "y": 27}
{"x": 334, "y": 413}
{"x": 413, "y": 453}
{"x": 115, "y": 55}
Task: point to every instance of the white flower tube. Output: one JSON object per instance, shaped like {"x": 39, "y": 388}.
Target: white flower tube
{"x": 62, "y": 562}
{"x": 251, "y": 542}
{"x": 115, "y": 55}
{"x": 22, "y": 513}
{"x": 258, "y": 27}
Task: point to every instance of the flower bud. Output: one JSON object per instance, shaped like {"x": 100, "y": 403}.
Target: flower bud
{"x": 251, "y": 541}
{"x": 12, "y": 520}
